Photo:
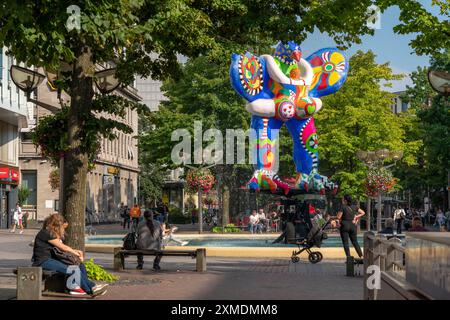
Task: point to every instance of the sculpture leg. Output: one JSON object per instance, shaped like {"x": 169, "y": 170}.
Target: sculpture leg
{"x": 305, "y": 155}
{"x": 264, "y": 143}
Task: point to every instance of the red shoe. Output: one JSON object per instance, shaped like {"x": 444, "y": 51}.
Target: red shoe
{"x": 78, "y": 292}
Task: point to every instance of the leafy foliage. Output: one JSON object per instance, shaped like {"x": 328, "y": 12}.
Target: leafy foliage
{"x": 432, "y": 114}
{"x": 23, "y": 194}
{"x": 432, "y": 35}
{"x": 54, "y": 179}
{"x": 97, "y": 272}
{"x": 51, "y": 133}
{"x": 229, "y": 228}
{"x": 358, "y": 117}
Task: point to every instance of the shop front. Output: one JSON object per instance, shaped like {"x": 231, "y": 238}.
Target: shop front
{"x": 9, "y": 179}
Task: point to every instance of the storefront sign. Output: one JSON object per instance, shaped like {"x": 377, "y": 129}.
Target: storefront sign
{"x": 113, "y": 170}
{"x": 108, "y": 180}
{"x": 9, "y": 175}
{"x": 14, "y": 175}
{"x": 4, "y": 173}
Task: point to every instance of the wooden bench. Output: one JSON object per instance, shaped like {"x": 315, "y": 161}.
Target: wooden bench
{"x": 120, "y": 255}
{"x": 33, "y": 282}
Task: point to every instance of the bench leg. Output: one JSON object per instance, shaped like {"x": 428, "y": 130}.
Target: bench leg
{"x": 119, "y": 260}
{"x": 201, "y": 260}
{"x": 29, "y": 283}
{"x": 350, "y": 267}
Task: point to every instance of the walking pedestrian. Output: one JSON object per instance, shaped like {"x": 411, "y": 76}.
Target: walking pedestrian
{"x": 399, "y": 216}
{"x": 125, "y": 216}
{"x": 17, "y": 219}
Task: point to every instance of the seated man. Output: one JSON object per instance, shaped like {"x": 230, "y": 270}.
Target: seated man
{"x": 254, "y": 224}
{"x": 264, "y": 222}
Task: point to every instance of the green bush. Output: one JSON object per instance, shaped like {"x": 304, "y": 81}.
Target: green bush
{"x": 177, "y": 217}
{"x": 229, "y": 228}
{"x": 96, "y": 272}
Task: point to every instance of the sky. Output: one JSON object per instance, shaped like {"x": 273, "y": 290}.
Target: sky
{"x": 388, "y": 46}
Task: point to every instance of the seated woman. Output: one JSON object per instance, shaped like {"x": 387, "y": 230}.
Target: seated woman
{"x": 51, "y": 236}
{"x": 149, "y": 237}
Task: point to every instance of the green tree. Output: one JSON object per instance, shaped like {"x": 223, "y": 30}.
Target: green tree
{"x": 125, "y": 32}
{"x": 359, "y": 117}
{"x": 432, "y": 35}
{"x": 202, "y": 93}
{"x": 434, "y": 121}
{"x": 151, "y": 178}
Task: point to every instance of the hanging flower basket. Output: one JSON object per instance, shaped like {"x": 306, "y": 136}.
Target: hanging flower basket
{"x": 379, "y": 180}
{"x": 53, "y": 179}
{"x": 199, "y": 179}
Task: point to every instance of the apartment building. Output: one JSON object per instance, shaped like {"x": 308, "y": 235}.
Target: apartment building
{"x": 13, "y": 116}
{"x": 398, "y": 104}
{"x": 113, "y": 181}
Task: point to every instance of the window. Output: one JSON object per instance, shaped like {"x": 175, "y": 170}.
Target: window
{"x": 25, "y": 136}
{"x": 404, "y": 106}
{"x": 29, "y": 181}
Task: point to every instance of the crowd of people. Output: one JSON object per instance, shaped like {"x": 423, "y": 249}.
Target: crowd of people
{"x": 131, "y": 216}
{"x": 259, "y": 222}
{"x": 417, "y": 220}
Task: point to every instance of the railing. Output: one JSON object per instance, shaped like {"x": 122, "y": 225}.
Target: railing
{"x": 388, "y": 255}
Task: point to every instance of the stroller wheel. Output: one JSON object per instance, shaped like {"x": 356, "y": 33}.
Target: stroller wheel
{"x": 315, "y": 257}
{"x": 295, "y": 259}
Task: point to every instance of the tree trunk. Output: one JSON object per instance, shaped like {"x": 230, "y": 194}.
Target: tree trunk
{"x": 225, "y": 205}
{"x": 76, "y": 161}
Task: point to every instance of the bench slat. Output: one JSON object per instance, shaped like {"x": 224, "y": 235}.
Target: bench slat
{"x": 162, "y": 253}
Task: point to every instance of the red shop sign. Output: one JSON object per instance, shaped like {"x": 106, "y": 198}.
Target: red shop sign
{"x": 4, "y": 173}
{"x": 14, "y": 175}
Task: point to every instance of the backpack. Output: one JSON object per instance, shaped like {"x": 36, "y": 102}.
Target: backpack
{"x": 129, "y": 242}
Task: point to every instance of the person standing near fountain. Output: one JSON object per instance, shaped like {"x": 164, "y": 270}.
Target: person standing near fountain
{"x": 349, "y": 216}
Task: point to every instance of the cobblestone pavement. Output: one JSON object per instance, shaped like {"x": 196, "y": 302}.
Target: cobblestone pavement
{"x": 226, "y": 278}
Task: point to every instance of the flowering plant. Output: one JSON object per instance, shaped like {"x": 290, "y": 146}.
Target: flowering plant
{"x": 53, "y": 179}
{"x": 379, "y": 180}
{"x": 199, "y": 179}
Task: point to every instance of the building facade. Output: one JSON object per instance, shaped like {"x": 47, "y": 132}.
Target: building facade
{"x": 398, "y": 104}
{"x": 114, "y": 179}
{"x": 150, "y": 91}
{"x": 13, "y": 116}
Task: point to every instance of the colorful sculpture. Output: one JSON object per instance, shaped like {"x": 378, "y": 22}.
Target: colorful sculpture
{"x": 285, "y": 89}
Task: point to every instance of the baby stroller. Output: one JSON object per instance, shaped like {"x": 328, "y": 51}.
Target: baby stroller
{"x": 301, "y": 230}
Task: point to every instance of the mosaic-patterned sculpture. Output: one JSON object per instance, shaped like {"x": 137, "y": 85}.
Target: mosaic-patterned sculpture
{"x": 285, "y": 89}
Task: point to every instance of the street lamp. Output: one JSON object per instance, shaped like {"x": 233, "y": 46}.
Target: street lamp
{"x": 106, "y": 80}
{"x": 25, "y": 79}
{"x": 375, "y": 159}
{"x": 440, "y": 81}
{"x": 28, "y": 80}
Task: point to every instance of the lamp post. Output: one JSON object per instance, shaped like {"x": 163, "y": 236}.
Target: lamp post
{"x": 440, "y": 82}
{"x": 375, "y": 159}
{"x": 28, "y": 80}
